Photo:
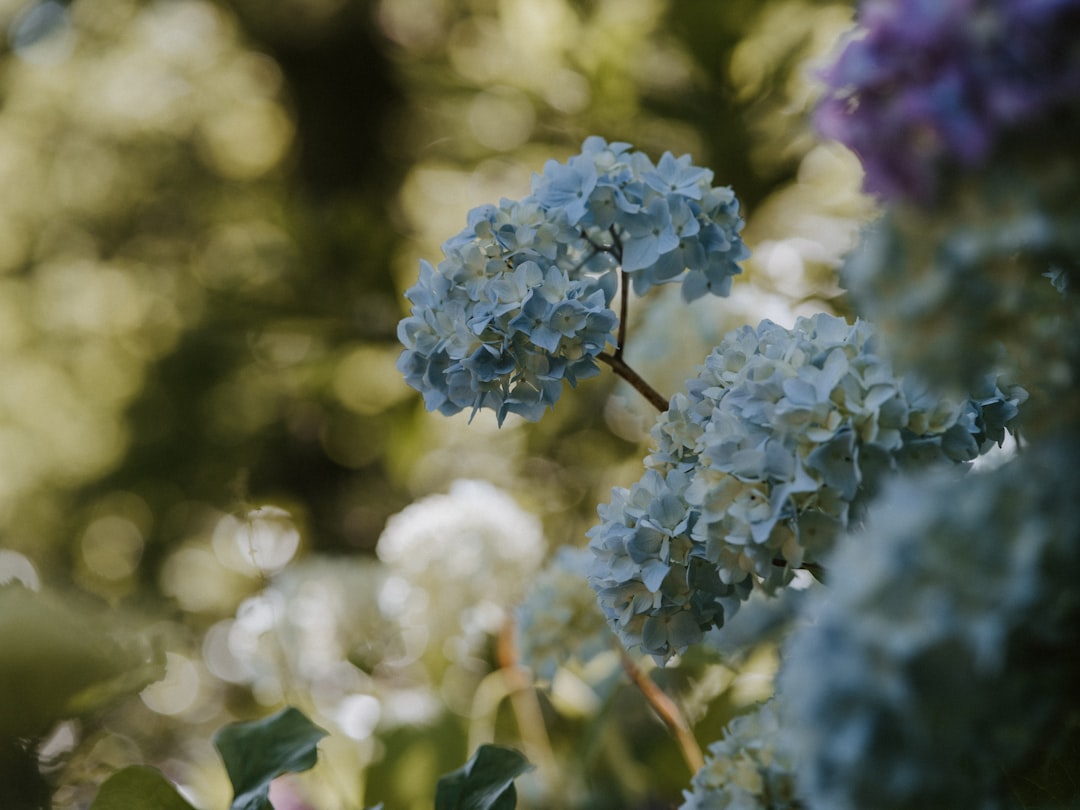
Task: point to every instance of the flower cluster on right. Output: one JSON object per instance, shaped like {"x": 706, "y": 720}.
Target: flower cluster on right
{"x": 965, "y": 116}
{"x": 926, "y": 85}
{"x": 986, "y": 283}
{"x": 949, "y": 641}
{"x": 772, "y": 452}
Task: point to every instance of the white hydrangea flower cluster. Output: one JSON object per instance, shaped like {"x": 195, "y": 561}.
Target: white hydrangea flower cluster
{"x": 458, "y": 561}
{"x": 318, "y": 635}
{"x": 771, "y": 453}
{"x": 558, "y": 622}
{"x": 747, "y": 769}
{"x": 948, "y": 637}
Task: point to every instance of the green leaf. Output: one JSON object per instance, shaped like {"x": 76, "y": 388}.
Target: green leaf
{"x": 256, "y": 753}
{"x": 485, "y": 782}
{"x": 139, "y": 787}
{"x": 64, "y": 657}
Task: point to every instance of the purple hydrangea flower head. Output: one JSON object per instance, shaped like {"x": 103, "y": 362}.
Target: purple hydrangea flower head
{"x": 926, "y": 85}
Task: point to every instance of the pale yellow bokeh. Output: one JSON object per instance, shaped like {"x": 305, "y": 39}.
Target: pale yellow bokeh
{"x": 366, "y": 379}
{"x": 111, "y": 547}
{"x": 178, "y": 690}
{"x": 96, "y": 141}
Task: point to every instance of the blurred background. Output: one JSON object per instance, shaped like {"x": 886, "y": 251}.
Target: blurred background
{"x": 212, "y": 477}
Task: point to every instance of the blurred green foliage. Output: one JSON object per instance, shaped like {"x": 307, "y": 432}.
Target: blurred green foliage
{"x": 210, "y": 212}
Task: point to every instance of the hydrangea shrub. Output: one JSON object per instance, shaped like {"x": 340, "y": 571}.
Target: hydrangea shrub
{"x": 930, "y": 659}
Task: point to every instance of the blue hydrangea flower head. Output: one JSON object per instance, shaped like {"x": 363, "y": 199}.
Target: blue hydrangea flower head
{"x": 660, "y": 223}
{"x": 943, "y": 652}
{"x": 558, "y": 622}
{"x": 747, "y": 769}
{"x": 926, "y": 84}
{"x": 521, "y": 302}
{"x": 773, "y": 450}
{"x": 504, "y": 320}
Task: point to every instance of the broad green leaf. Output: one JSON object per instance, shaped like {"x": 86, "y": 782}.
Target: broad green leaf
{"x": 62, "y": 657}
{"x": 485, "y": 782}
{"x": 256, "y": 753}
{"x": 139, "y": 787}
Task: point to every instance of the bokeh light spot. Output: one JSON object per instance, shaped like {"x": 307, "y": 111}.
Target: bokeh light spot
{"x": 568, "y": 92}
{"x": 199, "y": 583}
{"x": 112, "y": 547}
{"x": 263, "y": 543}
{"x": 358, "y": 715}
{"x": 218, "y": 654}
{"x": 279, "y": 349}
{"x": 15, "y": 567}
{"x": 413, "y": 24}
{"x": 501, "y": 118}
{"x": 366, "y": 380}
{"x": 178, "y": 690}
{"x": 247, "y": 140}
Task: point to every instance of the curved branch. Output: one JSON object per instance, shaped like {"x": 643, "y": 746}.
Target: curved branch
{"x": 668, "y": 711}
{"x": 624, "y": 306}
{"x": 619, "y": 366}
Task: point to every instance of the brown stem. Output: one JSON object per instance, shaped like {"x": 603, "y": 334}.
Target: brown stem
{"x": 668, "y": 711}
{"x": 624, "y": 306}
{"x": 619, "y": 366}
{"x": 615, "y": 359}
